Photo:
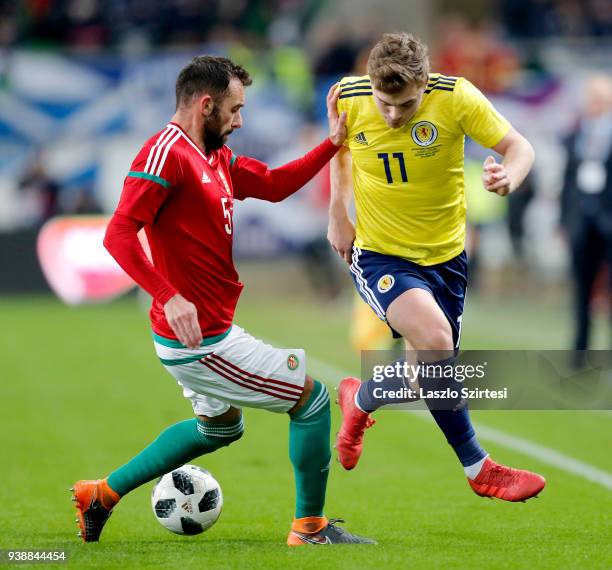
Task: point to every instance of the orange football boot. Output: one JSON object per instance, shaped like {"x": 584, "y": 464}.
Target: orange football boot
{"x": 94, "y": 501}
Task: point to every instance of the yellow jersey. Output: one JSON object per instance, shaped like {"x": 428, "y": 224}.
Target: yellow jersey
{"x": 408, "y": 182}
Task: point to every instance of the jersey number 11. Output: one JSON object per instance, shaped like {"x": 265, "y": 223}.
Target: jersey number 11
{"x": 384, "y": 156}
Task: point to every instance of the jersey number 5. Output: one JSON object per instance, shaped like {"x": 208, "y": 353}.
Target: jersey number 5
{"x": 384, "y": 156}
{"x": 228, "y": 215}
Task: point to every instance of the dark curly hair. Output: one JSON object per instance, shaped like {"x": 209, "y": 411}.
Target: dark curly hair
{"x": 208, "y": 74}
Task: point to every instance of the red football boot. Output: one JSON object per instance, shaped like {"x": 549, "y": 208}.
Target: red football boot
{"x": 349, "y": 440}
{"x": 505, "y": 483}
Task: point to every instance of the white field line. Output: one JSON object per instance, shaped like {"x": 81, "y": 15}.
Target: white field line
{"x": 332, "y": 374}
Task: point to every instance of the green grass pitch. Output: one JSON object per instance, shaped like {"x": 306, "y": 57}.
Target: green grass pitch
{"x": 82, "y": 392}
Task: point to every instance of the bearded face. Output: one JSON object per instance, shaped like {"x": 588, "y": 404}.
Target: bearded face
{"x": 224, "y": 117}
{"x": 215, "y": 134}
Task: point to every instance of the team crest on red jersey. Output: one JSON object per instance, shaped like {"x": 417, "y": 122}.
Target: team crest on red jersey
{"x": 424, "y": 133}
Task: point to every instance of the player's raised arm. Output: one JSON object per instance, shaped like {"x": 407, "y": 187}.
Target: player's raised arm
{"x": 341, "y": 230}
{"x": 252, "y": 178}
{"x": 518, "y": 159}
{"x": 479, "y": 120}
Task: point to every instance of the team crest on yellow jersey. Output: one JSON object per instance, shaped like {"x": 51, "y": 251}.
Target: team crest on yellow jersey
{"x": 385, "y": 283}
{"x": 424, "y": 133}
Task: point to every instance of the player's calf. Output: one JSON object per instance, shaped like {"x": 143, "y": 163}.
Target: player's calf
{"x": 310, "y": 455}
{"x": 175, "y": 446}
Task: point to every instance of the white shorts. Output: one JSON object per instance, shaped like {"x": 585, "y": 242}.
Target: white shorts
{"x": 235, "y": 369}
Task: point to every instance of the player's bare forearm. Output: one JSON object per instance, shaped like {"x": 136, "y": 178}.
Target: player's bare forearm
{"x": 341, "y": 230}
{"x": 341, "y": 184}
{"x": 518, "y": 157}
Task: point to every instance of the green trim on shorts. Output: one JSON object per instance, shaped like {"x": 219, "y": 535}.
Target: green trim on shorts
{"x": 158, "y": 179}
{"x": 173, "y": 343}
{"x": 177, "y": 361}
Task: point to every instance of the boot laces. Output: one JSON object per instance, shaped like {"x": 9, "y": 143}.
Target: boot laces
{"x": 502, "y": 476}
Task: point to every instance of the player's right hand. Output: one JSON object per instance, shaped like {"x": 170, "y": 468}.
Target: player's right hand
{"x": 341, "y": 235}
{"x": 182, "y": 316}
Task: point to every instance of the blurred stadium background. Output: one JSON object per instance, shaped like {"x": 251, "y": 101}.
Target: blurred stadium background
{"x": 84, "y": 82}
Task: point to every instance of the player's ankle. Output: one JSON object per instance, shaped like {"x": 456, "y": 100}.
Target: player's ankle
{"x": 309, "y": 525}
{"x": 358, "y": 404}
{"x": 108, "y": 497}
{"x": 472, "y": 471}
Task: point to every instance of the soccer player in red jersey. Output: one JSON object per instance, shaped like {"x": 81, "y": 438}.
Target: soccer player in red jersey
{"x": 181, "y": 188}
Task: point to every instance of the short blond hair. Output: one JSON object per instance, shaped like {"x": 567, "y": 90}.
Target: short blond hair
{"x": 396, "y": 61}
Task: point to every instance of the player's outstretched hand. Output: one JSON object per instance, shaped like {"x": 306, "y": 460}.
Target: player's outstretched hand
{"x": 341, "y": 235}
{"x": 337, "y": 123}
{"x": 495, "y": 178}
{"x": 182, "y": 316}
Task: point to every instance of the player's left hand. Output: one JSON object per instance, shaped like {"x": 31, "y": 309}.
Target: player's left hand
{"x": 337, "y": 123}
{"x": 495, "y": 177}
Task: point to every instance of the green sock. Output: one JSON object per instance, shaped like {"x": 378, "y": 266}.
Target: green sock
{"x": 310, "y": 452}
{"x": 173, "y": 447}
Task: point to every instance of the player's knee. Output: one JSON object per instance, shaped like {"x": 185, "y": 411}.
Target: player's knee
{"x": 220, "y": 434}
{"x": 438, "y": 338}
{"x": 234, "y": 431}
{"x": 235, "y": 437}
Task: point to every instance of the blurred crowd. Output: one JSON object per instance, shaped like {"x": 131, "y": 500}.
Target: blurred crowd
{"x": 42, "y": 197}
{"x": 137, "y": 25}
{"x": 97, "y": 24}
{"x": 292, "y": 41}
{"x": 538, "y": 19}
{"x": 293, "y": 47}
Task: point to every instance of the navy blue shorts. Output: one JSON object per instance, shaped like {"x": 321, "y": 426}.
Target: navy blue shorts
{"x": 380, "y": 279}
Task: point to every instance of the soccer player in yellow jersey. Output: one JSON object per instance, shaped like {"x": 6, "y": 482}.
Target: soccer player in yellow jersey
{"x": 403, "y": 160}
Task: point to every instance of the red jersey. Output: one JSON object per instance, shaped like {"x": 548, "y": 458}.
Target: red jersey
{"x": 184, "y": 199}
